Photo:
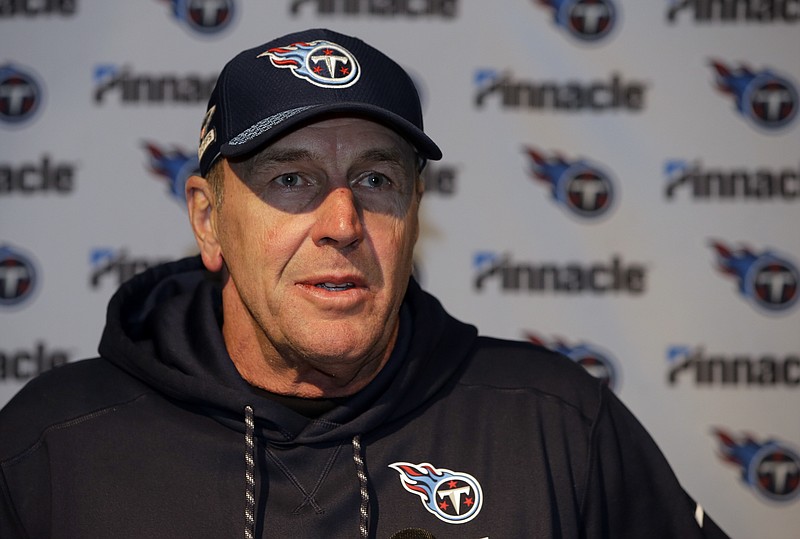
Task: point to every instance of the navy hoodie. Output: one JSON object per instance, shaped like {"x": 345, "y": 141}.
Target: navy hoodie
{"x": 459, "y": 436}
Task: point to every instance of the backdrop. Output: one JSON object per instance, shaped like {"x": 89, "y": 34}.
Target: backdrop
{"x": 620, "y": 182}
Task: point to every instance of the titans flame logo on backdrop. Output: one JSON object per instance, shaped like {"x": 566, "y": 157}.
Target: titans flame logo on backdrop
{"x": 20, "y": 94}
{"x": 587, "y": 20}
{"x": 765, "y": 98}
{"x": 769, "y": 281}
{"x": 174, "y": 166}
{"x": 578, "y": 185}
{"x": 771, "y": 468}
{"x": 597, "y": 362}
{"x": 203, "y": 16}
{"x": 18, "y": 276}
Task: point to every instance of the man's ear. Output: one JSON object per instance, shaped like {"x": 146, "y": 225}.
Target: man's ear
{"x": 200, "y": 202}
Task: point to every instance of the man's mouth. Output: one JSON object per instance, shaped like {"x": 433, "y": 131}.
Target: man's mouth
{"x": 334, "y": 287}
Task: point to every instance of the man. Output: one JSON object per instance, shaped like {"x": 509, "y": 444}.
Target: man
{"x": 294, "y": 380}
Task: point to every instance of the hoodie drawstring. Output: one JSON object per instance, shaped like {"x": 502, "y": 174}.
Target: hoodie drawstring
{"x": 363, "y": 520}
{"x": 250, "y": 482}
{"x": 249, "y": 475}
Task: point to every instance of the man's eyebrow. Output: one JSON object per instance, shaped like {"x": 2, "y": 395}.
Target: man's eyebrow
{"x": 288, "y": 155}
{"x": 271, "y": 156}
{"x": 391, "y": 155}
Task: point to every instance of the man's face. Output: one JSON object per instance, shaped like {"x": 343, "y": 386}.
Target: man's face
{"x": 317, "y": 233}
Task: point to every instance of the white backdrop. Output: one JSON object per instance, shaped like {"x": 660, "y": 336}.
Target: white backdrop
{"x": 620, "y": 182}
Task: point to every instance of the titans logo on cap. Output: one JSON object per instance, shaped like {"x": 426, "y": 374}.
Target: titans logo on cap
{"x": 581, "y": 187}
{"x": 766, "y": 279}
{"x": 322, "y": 63}
{"x": 765, "y": 98}
{"x": 771, "y": 468}
{"x": 454, "y": 497}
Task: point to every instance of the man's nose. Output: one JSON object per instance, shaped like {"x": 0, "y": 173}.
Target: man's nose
{"x": 338, "y": 220}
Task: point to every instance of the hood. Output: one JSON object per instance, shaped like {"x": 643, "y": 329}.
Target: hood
{"x": 163, "y": 327}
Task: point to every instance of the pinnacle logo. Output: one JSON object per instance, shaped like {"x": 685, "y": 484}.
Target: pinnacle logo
{"x": 735, "y": 11}
{"x": 766, "y": 99}
{"x": 203, "y": 16}
{"x": 174, "y": 166}
{"x": 738, "y": 184}
{"x": 33, "y": 178}
{"x": 694, "y": 365}
{"x": 23, "y": 364}
{"x": 771, "y": 469}
{"x": 447, "y": 9}
{"x": 767, "y": 280}
{"x": 579, "y": 186}
{"x": 570, "y": 278}
{"x": 116, "y": 265}
{"x": 36, "y": 8}
{"x": 18, "y": 276}
{"x": 586, "y": 20}
{"x": 21, "y": 95}
{"x": 592, "y": 96}
{"x": 152, "y": 89}
{"x": 440, "y": 179}
{"x": 593, "y": 359}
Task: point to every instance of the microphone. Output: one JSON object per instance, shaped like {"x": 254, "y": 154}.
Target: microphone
{"x": 413, "y": 533}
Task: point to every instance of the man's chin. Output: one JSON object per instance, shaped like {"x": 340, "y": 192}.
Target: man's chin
{"x": 338, "y": 351}
{"x": 338, "y": 354}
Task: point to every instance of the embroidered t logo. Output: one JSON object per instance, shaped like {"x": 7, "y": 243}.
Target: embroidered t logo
{"x": 322, "y": 63}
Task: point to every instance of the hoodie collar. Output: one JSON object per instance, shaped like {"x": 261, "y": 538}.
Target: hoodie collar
{"x": 163, "y": 327}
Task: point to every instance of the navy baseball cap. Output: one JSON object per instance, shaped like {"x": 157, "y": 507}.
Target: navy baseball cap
{"x": 267, "y": 91}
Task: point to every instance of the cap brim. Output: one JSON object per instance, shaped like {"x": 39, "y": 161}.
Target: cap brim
{"x": 276, "y": 126}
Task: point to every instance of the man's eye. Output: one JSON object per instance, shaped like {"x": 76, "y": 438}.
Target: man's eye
{"x": 289, "y": 180}
{"x": 375, "y": 181}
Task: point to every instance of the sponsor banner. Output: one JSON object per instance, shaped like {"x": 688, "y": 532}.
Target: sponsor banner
{"x": 110, "y": 267}
{"x": 503, "y": 272}
{"x": 699, "y": 368}
{"x": 713, "y": 12}
{"x": 123, "y": 85}
{"x": 621, "y": 173}
{"x": 22, "y": 364}
{"x": 693, "y": 180}
{"x": 508, "y": 91}
{"x": 30, "y": 9}
{"x": 442, "y": 9}
{"x": 37, "y": 177}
